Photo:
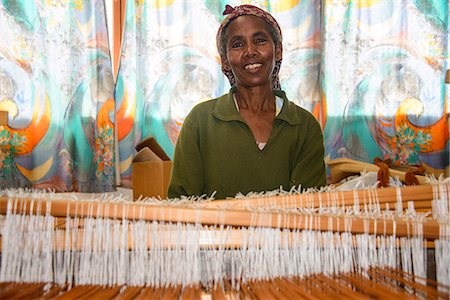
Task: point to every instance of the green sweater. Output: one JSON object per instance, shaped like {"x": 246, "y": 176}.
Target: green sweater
{"x": 217, "y": 152}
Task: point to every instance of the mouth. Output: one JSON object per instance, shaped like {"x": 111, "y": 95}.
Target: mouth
{"x": 252, "y": 66}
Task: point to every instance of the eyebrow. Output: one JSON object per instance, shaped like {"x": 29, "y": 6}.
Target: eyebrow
{"x": 258, "y": 33}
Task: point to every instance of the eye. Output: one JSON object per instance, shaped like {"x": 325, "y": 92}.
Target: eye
{"x": 236, "y": 44}
{"x": 261, "y": 40}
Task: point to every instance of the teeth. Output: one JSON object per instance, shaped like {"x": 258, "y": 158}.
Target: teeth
{"x": 252, "y": 66}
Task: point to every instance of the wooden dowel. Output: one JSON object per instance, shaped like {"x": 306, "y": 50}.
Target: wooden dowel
{"x": 380, "y": 195}
{"x": 344, "y": 290}
{"x": 429, "y": 282}
{"x": 237, "y": 218}
{"x": 430, "y": 292}
{"x": 376, "y": 291}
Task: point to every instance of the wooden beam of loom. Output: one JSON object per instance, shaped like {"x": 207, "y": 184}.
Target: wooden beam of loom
{"x": 214, "y": 216}
{"x": 422, "y": 194}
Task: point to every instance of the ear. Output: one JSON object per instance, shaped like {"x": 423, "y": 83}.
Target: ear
{"x": 278, "y": 52}
{"x": 225, "y": 64}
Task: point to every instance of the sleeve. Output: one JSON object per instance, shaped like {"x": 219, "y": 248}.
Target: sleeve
{"x": 309, "y": 167}
{"x": 187, "y": 171}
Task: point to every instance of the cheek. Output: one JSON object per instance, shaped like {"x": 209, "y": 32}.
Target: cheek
{"x": 232, "y": 61}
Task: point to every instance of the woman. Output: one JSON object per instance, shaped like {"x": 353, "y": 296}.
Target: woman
{"x": 253, "y": 138}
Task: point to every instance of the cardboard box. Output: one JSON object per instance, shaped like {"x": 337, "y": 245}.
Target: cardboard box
{"x": 3, "y": 118}
{"x": 150, "y": 178}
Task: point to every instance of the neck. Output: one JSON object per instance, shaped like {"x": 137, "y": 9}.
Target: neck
{"x": 255, "y": 99}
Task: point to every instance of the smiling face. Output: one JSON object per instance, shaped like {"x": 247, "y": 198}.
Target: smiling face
{"x": 250, "y": 51}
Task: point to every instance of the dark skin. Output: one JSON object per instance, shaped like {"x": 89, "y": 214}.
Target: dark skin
{"x": 251, "y": 54}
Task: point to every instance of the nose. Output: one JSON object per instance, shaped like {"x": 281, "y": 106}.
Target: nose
{"x": 250, "y": 50}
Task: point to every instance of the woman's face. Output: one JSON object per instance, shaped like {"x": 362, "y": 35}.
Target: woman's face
{"x": 250, "y": 51}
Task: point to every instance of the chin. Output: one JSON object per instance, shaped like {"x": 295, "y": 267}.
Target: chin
{"x": 253, "y": 82}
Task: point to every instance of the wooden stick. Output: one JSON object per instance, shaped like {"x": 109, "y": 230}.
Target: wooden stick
{"x": 210, "y": 216}
{"x": 346, "y": 198}
{"x": 429, "y": 291}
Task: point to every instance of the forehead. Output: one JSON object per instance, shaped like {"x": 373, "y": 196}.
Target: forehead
{"x": 247, "y": 25}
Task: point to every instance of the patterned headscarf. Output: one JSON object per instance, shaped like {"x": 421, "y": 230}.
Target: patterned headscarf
{"x": 247, "y": 9}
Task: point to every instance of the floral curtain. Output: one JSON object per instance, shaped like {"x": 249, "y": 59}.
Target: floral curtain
{"x": 57, "y": 86}
{"x": 383, "y": 69}
{"x": 371, "y": 72}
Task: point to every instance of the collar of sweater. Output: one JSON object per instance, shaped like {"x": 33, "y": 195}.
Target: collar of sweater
{"x": 225, "y": 109}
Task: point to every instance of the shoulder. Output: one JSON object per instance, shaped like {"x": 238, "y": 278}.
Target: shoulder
{"x": 203, "y": 107}
{"x": 299, "y": 110}
{"x": 207, "y": 105}
{"x": 200, "y": 112}
{"x": 296, "y": 115}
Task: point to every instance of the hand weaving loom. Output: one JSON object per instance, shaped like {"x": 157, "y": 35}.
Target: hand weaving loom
{"x": 354, "y": 244}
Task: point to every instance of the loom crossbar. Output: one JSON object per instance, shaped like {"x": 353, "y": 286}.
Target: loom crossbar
{"x": 212, "y": 216}
{"x": 382, "y": 196}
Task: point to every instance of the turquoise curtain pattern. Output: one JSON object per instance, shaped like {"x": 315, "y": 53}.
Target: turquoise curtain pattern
{"x": 383, "y": 69}
{"x": 169, "y": 63}
{"x": 57, "y": 86}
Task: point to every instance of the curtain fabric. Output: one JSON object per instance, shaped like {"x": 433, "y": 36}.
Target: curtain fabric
{"x": 383, "y": 75}
{"x": 372, "y": 72}
{"x": 57, "y": 85}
